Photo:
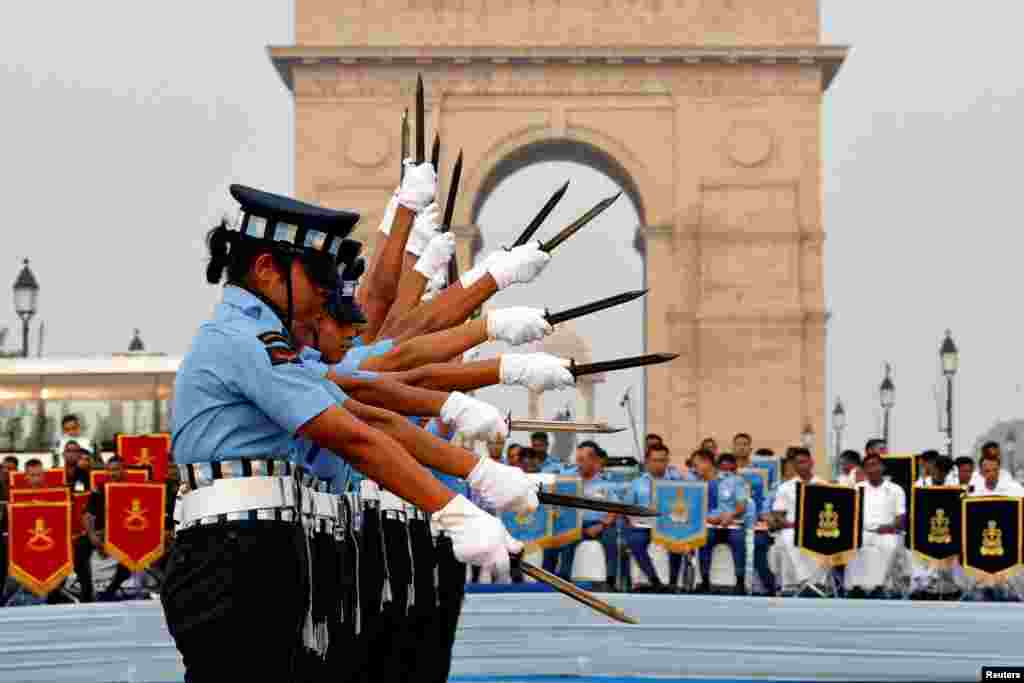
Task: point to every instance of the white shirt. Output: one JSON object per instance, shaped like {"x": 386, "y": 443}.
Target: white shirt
{"x": 785, "y": 497}
{"x": 882, "y": 504}
{"x": 1004, "y": 487}
{"x": 848, "y": 479}
{"x": 978, "y": 481}
{"x": 923, "y": 481}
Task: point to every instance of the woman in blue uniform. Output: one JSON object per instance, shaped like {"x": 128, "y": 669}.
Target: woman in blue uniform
{"x": 237, "y": 591}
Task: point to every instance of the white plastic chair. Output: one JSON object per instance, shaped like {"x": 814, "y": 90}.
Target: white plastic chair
{"x": 589, "y": 563}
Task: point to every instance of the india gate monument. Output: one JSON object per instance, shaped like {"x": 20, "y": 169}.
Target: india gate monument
{"x": 708, "y": 113}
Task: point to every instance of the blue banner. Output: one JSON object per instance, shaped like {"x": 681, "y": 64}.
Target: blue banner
{"x": 771, "y": 465}
{"x": 756, "y": 479}
{"x": 681, "y": 524}
{"x": 566, "y": 522}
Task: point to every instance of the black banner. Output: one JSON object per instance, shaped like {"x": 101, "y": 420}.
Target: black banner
{"x": 991, "y": 537}
{"x": 829, "y": 521}
{"x": 935, "y": 534}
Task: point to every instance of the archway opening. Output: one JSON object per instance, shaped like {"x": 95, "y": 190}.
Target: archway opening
{"x": 599, "y": 261}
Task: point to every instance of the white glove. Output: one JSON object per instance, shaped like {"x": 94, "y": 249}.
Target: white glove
{"x": 436, "y": 256}
{"x": 480, "y": 269}
{"x": 424, "y": 228}
{"x": 536, "y": 371}
{"x": 477, "y": 537}
{"x": 506, "y": 489}
{"x": 539, "y": 479}
{"x": 389, "y": 214}
{"x": 517, "y": 325}
{"x": 418, "y": 186}
{"x": 521, "y": 265}
{"x": 435, "y": 285}
{"x": 472, "y": 418}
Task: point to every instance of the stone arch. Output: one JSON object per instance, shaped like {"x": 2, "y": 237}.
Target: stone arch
{"x": 502, "y": 162}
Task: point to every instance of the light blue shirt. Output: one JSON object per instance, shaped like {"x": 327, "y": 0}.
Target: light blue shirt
{"x": 241, "y": 390}
{"x": 731, "y": 491}
{"x": 598, "y": 488}
{"x": 313, "y": 359}
{"x": 639, "y": 492}
{"x": 360, "y": 353}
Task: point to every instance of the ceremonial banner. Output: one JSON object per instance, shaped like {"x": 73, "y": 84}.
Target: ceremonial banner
{"x": 78, "y": 503}
{"x": 50, "y": 495}
{"x": 51, "y": 478}
{"x": 683, "y": 511}
{"x": 771, "y": 465}
{"x": 991, "y": 537}
{"x": 935, "y": 534}
{"x": 146, "y": 450}
{"x": 533, "y": 529}
{"x": 39, "y": 545}
{"x": 902, "y": 471}
{"x": 135, "y": 523}
{"x": 98, "y": 478}
{"x": 829, "y": 522}
{"x": 757, "y": 484}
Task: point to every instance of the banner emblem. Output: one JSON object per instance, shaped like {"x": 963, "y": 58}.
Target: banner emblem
{"x": 135, "y": 519}
{"x": 992, "y": 540}
{"x": 939, "y": 532}
{"x": 39, "y": 537}
{"x": 146, "y": 450}
{"x": 680, "y": 513}
{"x": 828, "y": 522}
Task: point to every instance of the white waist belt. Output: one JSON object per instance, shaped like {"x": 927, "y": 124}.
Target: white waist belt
{"x": 235, "y": 496}
{"x": 371, "y": 492}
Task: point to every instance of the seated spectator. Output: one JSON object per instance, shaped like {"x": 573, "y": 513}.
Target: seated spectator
{"x": 725, "y": 520}
{"x": 993, "y": 483}
{"x": 35, "y": 475}
{"x": 793, "y": 567}
{"x": 71, "y": 430}
{"x": 943, "y": 473}
{"x": 849, "y": 461}
{"x": 992, "y": 452}
{"x": 926, "y": 477}
{"x": 652, "y": 441}
{"x": 638, "y": 531}
{"x": 709, "y": 444}
{"x": 885, "y": 514}
{"x": 742, "y": 449}
{"x": 596, "y": 525}
{"x": 10, "y": 464}
{"x": 964, "y": 471}
{"x": 530, "y": 460}
{"x": 512, "y": 455}
{"x": 77, "y": 466}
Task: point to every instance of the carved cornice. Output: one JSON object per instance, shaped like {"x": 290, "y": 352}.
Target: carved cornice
{"x": 287, "y": 58}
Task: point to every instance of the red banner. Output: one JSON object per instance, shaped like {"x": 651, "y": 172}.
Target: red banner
{"x": 98, "y": 478}
{"x": 78, "y": 503}
{"x": 135, "y": 523}
{"x": 146, "y": 450}
{"x": 50, "y": 495}
{"x": 51, "y": 478}
{"x": 39, "y": 540}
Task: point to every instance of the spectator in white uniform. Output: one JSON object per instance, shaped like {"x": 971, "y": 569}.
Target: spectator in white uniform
{"x": 992, "y": 479}
{"x": 990, "y": 450}
{"x": 790, "y": 564}
{"x": 964, "y": 471}
{"x": 849, "y": 461}
{"x": 885, "y": 514}
{"x": 927, "y": 462}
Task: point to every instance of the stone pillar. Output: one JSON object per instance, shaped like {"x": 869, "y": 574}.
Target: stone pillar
{"x": 587, "y": 391}
{"x": 464, "y": 237}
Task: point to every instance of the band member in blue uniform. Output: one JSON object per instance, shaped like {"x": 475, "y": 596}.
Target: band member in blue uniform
{"x": 238, "y": 578}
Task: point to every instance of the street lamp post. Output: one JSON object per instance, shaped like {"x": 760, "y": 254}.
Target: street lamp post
{"x": 838, "y": 425}
{"x": 887, "y": 396}
{"x": 26, "y": 299}
{"x": 1011, "y": 451}
{"x": 950, "y": 363}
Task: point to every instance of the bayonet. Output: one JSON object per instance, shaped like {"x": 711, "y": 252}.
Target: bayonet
{"x": 541, "y": 215}
{"x": 578, "y": 224}
{"x": 621, "y": 363}
{"x": 421, "y": 144}
{"x": 593, "y": 307}
{"x": 561, "y": 426}
{"x": 405, "y": 143}
{"x": 596, "y": 504}
{"x": 572, "y": 591}
{"x": 435, "y": 153}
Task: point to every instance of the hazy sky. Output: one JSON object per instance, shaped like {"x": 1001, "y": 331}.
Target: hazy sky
{"x": 123, "y": 124}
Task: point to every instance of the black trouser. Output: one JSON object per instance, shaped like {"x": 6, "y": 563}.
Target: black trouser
{"x": 235, "y": 598}
{"x": 439, "y": 637}
{"x": 340, "y": 654}
{"x": 417, "y": 641}
{"x": 387, "y": 630}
